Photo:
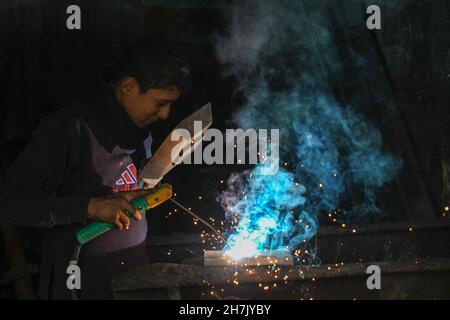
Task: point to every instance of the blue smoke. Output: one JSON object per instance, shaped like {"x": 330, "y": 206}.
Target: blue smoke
{"x": 285, "y": 63}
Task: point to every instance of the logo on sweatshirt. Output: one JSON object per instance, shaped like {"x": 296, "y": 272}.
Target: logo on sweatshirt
{"x": 127, "y": 180}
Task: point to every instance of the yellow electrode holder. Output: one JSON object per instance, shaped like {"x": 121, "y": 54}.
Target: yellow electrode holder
{"x": 160, "y": 194}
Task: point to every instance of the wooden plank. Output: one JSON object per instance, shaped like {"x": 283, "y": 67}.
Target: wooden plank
{"x": 164, "y": 275}
{"x": 174, "y": 293}
{"x": 264, "y": 258}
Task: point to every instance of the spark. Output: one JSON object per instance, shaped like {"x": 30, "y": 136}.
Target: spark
{"x": 198, "y": 218}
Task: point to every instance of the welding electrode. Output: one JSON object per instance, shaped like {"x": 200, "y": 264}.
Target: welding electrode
{"x": 198, "y": 218}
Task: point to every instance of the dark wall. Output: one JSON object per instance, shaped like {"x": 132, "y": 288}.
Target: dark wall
{"x": 414, "y": 43}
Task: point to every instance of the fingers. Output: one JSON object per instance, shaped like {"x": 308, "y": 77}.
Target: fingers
{"x": 125, "y": 220}
{"x": 117, "y": 222}
{"x": 137, "y": 215}
{"x": 126, "y": 206}
{"x": 122, "y": 221}
{"x": 125, "y": 212}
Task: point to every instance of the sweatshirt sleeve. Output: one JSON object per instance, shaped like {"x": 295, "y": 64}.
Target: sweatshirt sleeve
{"x": 29, "y": 193}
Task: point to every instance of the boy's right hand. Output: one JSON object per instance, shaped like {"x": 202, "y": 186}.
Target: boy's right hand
{"x": 112, "y": 208}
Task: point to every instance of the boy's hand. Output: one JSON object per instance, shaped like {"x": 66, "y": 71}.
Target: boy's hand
{"x": 112, "y": 208}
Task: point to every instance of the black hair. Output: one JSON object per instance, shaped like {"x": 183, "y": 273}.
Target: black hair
{"x": 155, "y": 62}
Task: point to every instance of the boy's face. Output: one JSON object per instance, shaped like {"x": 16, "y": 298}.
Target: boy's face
{"x": 145, "y": 107}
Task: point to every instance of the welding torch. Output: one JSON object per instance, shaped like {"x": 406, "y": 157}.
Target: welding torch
{"x": 159, "y": 195}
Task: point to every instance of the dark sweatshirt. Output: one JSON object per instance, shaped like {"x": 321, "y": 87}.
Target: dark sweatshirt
{"x": 90, "y": 149}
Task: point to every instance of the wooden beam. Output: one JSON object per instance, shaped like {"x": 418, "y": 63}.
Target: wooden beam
{"x": 164, "y": 275}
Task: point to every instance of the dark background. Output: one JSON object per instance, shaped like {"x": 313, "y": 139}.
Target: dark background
{"x": 44, "y": 66}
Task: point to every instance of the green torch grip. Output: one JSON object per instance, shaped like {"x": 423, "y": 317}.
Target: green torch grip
{"x": 97, "y": 228}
